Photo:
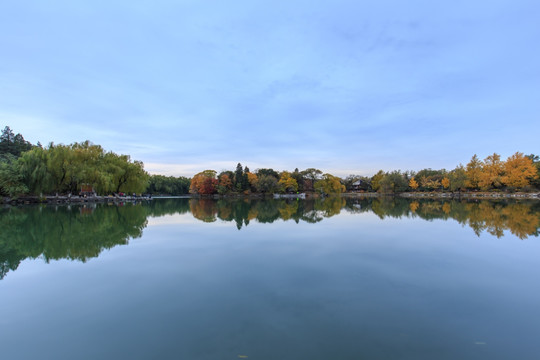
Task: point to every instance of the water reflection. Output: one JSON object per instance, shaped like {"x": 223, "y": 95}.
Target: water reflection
{"x": 80, "y": 233}
{"x": 522, "y": 219}
{"x": 73, "y": 232}
{"x": 242, "y": 211}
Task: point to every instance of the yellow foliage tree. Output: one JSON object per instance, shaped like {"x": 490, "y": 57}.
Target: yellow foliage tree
{"x": 376, "y": 180}
{"x": 287, "y": 182}
{"x": 413, "y": 184}
{"x": 445, "y": 182}
{"x": 473, "y": 172}
{"x": 518, "y": 171}
{"x": 429, "y": 183}
{"x": 492, "y": 172}
{"x": 329, "y": 184}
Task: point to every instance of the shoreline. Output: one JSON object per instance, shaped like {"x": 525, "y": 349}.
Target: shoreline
{"x": 407, "y": 195}
{"x": 72, "y": 199}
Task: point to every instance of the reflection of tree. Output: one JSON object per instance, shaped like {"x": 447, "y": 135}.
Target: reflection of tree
{"x": 389, "y": 206}
{"x": 494, "y": 217}
{"x": 79, "y": 233}
{"x": 308, "y": 212}
{"x": 203, "y": 209}
{"x": 267, "y": 211}
{"x": 330, "y": 206}
{"x": 65, "y": 232}
{"x": 242, "y": 211}
{"x": 521, "y": 221}
{"x": 289, "y": 210}
{"x": 521, "y": 218}
{"x": 161, "y": 207}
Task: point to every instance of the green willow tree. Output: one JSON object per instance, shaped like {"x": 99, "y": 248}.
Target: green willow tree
{"x": 11, "y": 179}
{"x": 394, "y": 182}
{"x": 123, "y": 173}
{"x": 65, "y": 168}
{"x": 168, "y": 185}
{"x": 458, "y": 178}
{"x": 376, "y": 180}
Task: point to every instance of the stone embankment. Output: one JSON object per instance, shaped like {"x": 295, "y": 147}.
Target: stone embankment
{"x": 450, "y": 195}
{"x": 73, "y": 199}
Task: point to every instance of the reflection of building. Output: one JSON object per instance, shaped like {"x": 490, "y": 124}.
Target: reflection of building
{"x": 87, "y": 209}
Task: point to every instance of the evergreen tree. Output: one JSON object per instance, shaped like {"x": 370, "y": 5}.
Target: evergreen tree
{"x": 13, "y": 144}
{"x": 238, "y": 177}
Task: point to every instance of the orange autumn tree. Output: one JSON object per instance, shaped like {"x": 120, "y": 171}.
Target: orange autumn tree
{"x": 518, "y": 171}
{"x": 225, "y": 184}
{"x": 204, "y": 183}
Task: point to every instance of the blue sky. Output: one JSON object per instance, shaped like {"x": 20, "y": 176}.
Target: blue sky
{"x": 349, "y": 87}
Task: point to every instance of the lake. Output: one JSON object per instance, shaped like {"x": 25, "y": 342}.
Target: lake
{"x": 339, "y": 278}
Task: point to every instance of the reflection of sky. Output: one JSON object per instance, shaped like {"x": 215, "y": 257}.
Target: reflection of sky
{"x": 175, "y": 219}
{"x": 189, "y": 219}
{"x": 345, "y": 218}
{"x": 348, "y": 287}
{"x": 346, "y": 86}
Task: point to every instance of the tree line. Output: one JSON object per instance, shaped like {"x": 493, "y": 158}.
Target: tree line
{"x": 264, "y": 181}
{"x": 518, "y": 173}
{"x": 34, "y": 169}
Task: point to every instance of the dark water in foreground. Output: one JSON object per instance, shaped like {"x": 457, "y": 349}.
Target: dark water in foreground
{"x": 333, "y": 279}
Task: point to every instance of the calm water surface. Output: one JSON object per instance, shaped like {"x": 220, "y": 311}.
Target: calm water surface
{"x": 332, "y": 279}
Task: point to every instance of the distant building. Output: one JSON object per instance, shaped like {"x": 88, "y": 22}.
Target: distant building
{"x": 357, "y": 185}
{"x": 87, "y": 190}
